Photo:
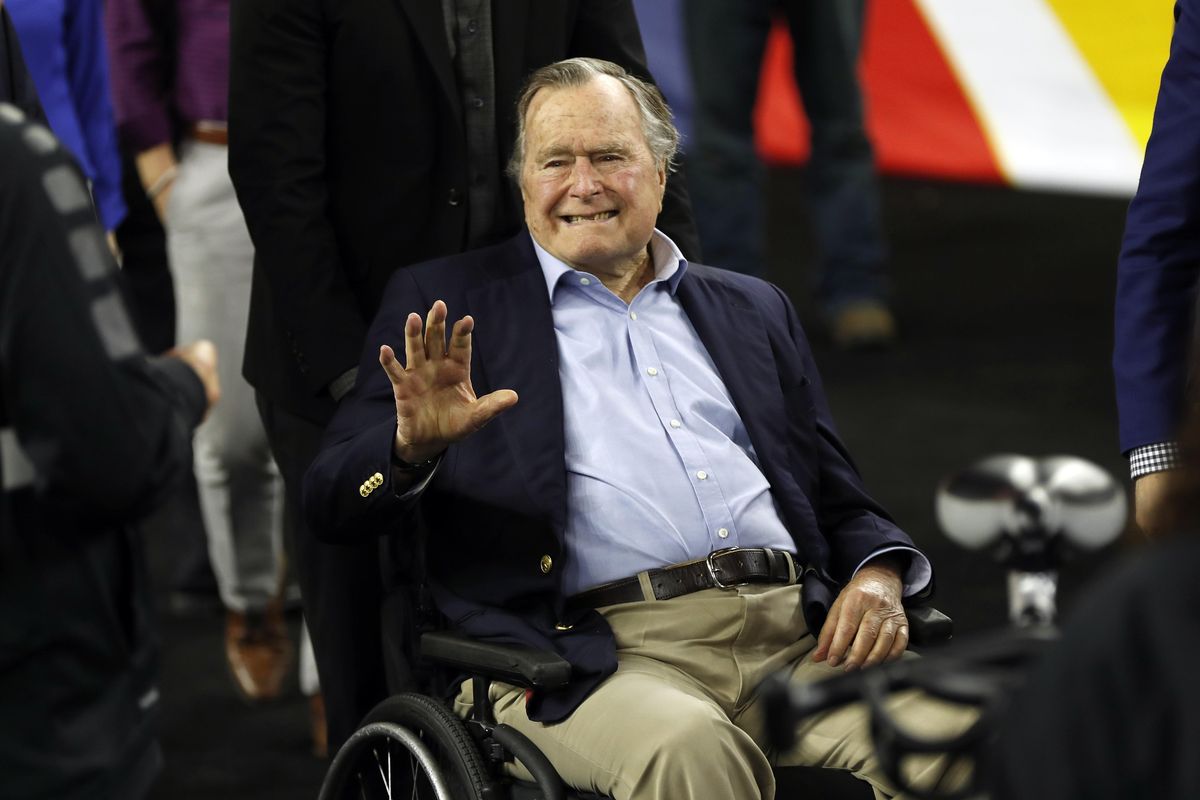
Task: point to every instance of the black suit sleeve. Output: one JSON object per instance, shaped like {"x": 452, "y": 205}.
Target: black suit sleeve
{"x": 608, "y": 29}
{"x": 277, "y": 159}
{"x": 107, "y": 429}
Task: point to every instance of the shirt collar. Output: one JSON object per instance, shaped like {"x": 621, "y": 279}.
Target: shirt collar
{"x": 669, "y": 264}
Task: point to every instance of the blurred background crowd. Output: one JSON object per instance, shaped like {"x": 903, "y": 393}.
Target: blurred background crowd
{"x": 939, "y": 185}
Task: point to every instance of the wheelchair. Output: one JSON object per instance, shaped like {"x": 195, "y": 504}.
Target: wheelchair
{"x": 413, "y": 745}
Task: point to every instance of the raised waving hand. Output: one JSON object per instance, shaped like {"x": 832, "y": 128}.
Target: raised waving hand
{"x": 435, "y": 401}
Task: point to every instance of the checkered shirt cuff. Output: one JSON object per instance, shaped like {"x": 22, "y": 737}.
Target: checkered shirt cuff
{"x": 1153, "y": 458}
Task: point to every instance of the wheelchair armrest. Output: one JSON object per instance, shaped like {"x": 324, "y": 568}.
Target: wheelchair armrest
{"x": 510, "y": 663}
{"x": 927, "y": 625}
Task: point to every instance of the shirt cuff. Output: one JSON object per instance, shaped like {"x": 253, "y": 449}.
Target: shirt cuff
{"x": 919, "y": 573}
{"x": 1154, "y": 457}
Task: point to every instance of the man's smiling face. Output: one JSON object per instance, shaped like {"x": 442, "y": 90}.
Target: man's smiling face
{"x": 591, "y": 186}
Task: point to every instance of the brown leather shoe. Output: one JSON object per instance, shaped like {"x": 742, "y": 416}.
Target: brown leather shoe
{"x": 863, "y": 325}
{"x": 320, "y": 733}
{"x": 258, "y": 651}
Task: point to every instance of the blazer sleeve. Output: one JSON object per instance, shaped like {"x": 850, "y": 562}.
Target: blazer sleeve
{"x": 1160, "y": 255}
{"x": 608, "y": 29}
{"x": 277, "y": 159}
{"x": 340, "y": 505}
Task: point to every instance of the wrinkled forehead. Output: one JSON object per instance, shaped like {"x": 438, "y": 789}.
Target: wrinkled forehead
{"x": 601, "y": 110}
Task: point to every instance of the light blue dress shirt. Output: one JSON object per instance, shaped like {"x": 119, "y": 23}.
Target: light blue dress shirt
{"x": 660, "y": 468}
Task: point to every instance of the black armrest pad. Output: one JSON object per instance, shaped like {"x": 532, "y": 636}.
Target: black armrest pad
{"x": 511, "y": 663}
{"x": 927, "y": 625}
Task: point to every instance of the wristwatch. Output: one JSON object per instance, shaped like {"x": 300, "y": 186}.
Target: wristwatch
{"x": 413, "y": 469}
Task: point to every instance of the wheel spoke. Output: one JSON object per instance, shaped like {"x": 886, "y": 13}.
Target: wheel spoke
{"x": 385, "y": 777}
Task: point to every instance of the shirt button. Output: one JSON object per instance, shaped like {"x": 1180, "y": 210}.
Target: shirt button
{"x": 702, "y": 475}
{"x": 477, "y": 102}
{"x": 633, "y": 315}
{"x": 723, "y": 533}
{"x": 652, "y": 372}
{"x": 675, "y": 423}
{"x": 546, "y": 564}
{"x": 472, "y": 26}
{"x": 585, "y": 281}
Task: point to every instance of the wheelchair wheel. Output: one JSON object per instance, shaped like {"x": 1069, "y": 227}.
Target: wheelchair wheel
{"x": 409, "y": 746}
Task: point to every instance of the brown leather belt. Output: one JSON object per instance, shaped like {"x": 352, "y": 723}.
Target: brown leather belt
{"x": 732, "y": 566}
{"x": 210, "y": 133}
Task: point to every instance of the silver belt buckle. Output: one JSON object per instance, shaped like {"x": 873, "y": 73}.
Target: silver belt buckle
{"x": 712, "y": 568}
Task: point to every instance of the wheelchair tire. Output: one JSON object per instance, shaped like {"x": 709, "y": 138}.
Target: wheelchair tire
{"x": 408, "y": 746}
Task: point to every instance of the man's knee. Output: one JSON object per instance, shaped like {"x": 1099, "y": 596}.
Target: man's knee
{"x": 696, "y": 751}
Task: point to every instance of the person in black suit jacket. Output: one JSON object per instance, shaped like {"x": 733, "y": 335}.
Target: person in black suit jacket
{"x": 605, "y": 402}
{"x": 358, "y": 144}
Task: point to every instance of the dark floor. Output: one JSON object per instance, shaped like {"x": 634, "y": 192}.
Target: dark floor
{"x": 1004, "y": 301}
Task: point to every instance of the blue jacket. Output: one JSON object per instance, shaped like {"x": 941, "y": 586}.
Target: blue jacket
{"x": 497, "y": 504}
{"x": 1160, "y": 256}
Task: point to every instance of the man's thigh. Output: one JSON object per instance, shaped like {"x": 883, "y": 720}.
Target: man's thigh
{"x": 648, "y": 731}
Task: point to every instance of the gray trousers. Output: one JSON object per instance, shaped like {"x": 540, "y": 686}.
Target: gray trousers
{"x": 241, "y": 495}
{"x": 682, "y": 716}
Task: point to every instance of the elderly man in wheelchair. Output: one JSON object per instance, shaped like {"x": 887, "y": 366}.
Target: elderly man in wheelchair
{"x": 625, "y": 460}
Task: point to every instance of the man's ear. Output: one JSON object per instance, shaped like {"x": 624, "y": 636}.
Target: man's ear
{"x": 662, "y": 185}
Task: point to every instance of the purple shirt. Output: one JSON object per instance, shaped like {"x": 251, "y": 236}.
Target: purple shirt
{"x": 198, "y": 70}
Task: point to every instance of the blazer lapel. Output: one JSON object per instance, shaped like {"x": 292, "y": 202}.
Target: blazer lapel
{"x": 426, "y": 18}
{"x": 732, "y": 330}
{"x": 516, "y": 349}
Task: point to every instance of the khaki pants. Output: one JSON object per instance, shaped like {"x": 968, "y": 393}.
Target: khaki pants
{"x": 681, "y": 717}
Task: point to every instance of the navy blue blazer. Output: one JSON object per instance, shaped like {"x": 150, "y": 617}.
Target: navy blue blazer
{"x": 1160, "y": 255}
{"x": 496, "y": 505}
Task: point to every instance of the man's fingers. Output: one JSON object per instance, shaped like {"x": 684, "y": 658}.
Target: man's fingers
{"x": 491, "y": 405}
{"x": 387, "y": 360}
{"x": 435, "y": 332}
{"x": 866, "y": 635}
{"x": 825, "y": 637}
{"x": 881, "y": 648}
{"x": 460, "y": 341}
{"x": 414, "y": 342}
{"x": 843, "y": 636}
{"x": 899, "y": 644}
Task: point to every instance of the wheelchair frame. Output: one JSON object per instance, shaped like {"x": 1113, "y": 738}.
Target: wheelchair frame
{"x": 463, "y": 759}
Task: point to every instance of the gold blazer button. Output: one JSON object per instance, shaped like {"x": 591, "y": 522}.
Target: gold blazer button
{"x": 547, "y": 563}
